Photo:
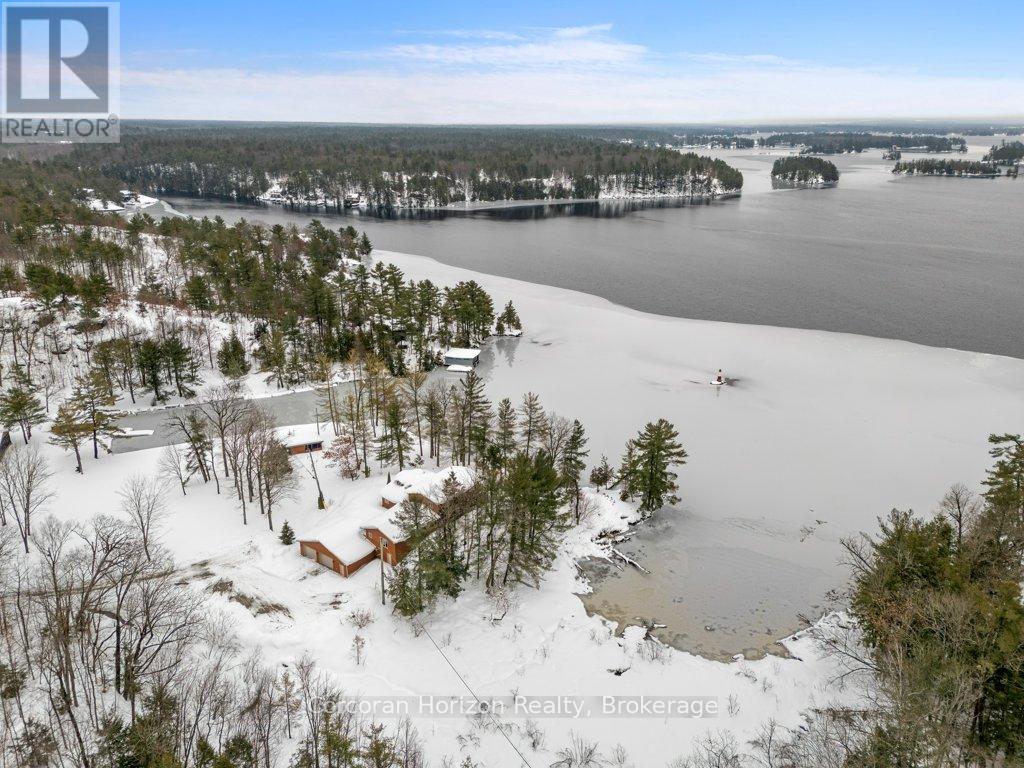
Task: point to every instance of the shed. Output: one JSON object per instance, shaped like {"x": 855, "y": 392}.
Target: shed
{"x": 304, "y": 438}
{"x": 462, "y": 357}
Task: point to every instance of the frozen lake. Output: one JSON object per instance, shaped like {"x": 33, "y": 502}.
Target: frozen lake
{"x": 934, "y": 261}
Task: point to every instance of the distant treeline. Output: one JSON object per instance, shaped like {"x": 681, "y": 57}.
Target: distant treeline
{"x": 1007, "y": 152}
{"x": 727, "y": 141}
{"x": 834, "y": 143}
{"x": 804, "y": 169}
{"x": 396, "y": 165}
{"x": 936, "y": 167}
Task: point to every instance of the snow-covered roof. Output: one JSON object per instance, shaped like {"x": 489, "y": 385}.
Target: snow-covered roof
{"x": 461, "y": 353}
{"x": 301, "y": 434}
{"x": 342, "y": 531}
{"x": 342, "y": 535}
{"x": 131, "y": 432}
{"x": 384, "y": 521}
{"x": 460, "y": 368}
{"x": 104, "y": 205}
{"x": 428, "y": 484}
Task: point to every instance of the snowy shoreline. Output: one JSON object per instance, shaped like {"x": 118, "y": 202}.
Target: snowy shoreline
{"x": 821, "y": 433}
{"x": 817, "y": 434}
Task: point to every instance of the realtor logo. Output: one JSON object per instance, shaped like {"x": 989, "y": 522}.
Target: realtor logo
{"x": 60, "y": 72}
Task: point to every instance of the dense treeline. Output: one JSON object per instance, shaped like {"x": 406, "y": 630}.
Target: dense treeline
{"x": 939, "y": 604}
{"x": 1007, "y": 152}
{"x": 505, "y": 527}
{"x": 295, "y": 303}
{"x": 803, "y": 169}
{"x": 716, "y": 140}
{"x": 834, "y": 143}
{"x": 391, "y": 166}
{"x": 935, "y": 167}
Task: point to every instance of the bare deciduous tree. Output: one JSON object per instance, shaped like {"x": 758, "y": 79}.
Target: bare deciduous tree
{"x": 142, "y": 500}
{"x": 174, "y": 464}
{"x": 24, "y": 490}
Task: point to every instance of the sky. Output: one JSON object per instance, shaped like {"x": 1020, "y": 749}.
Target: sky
{"x": 566, "y": 61}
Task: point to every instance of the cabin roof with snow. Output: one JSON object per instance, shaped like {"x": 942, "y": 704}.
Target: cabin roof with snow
{"x": 427, "y": 484}
{"x": 345, "y": 534}
{"x": 461, "y": 353}
{"x": 301, "y": 434}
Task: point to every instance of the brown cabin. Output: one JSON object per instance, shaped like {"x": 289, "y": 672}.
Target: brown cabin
{"x": 393, "y": 551}
{"x": 297, "y": 449}
{"x": 318, "y": 553}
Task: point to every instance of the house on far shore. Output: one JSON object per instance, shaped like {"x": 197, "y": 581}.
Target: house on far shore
{"x": 301, "y": 439}
{"x": 350, "y": 538}
{"x": 461, "y": 360}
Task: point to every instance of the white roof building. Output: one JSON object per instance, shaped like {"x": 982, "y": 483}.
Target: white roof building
{"x": 424, "y": 484}
{"x": 461, "y": 358}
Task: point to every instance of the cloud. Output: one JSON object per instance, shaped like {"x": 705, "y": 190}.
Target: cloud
{"x": 552, "y": 96}
{"x": 470, "y": 34}
{"x": 527, "y": 55}
{"x": 732, "y": 59}
{"x": 566, "y": 46}
{"x": 568, "y": 74}
{"x": 584, "y": 31}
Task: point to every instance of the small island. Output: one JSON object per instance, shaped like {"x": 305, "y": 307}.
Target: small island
{"x": 804, "y": 170}
{"x": 968, "y": 169}
{"x": 1007, "y": 152}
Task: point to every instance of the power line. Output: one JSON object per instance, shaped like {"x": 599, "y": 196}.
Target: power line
{"x": 483, "y": 707}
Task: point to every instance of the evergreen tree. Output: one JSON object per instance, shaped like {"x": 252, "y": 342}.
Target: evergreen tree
{"x": 602, "y": 474}
{"x": 150, "y": 361}
{"x": 92, "y": 399}
{"x": 534, "y": 520}
{"x": 477, "y": 413}
{"x": 508, "y": 320}
{"x": 650, "y": 470}
{"x": 70, "y": 429}
{"x": 379, "y": 750}
{"x": 505, "y": 430}
{"x": 571, "y": 465}
{"x": 409, "y": 587}
{"x": 532, "y": 422}
{"x": 19, "y": 406}
{"x": 231, "y": 360}
{"x": 395, "y": 445}
{"x": 182, "y": 364}
{"x": 287, "y": 535}
{"x": 94, "y": 292}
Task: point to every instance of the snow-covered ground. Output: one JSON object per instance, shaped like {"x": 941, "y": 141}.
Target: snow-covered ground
{"x": 818, "y": 434}
{"x": 546, "y": 645}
